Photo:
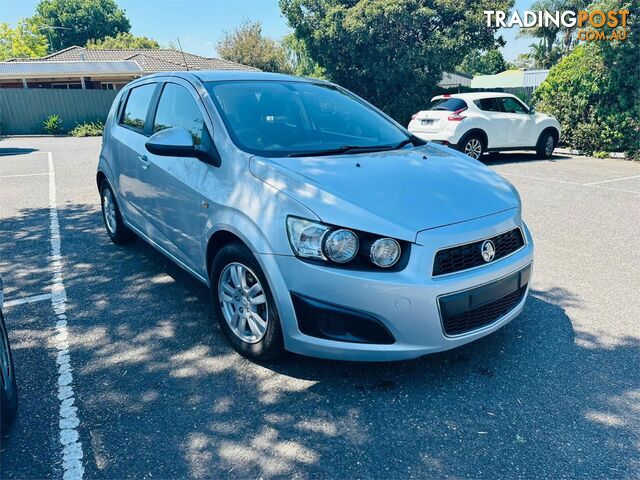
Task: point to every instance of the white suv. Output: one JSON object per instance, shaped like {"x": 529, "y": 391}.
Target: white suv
{"x": 475, "y": 123}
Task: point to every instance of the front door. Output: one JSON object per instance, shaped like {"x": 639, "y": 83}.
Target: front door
{"x": 173, "y": 198}
{"x": 521, "y": 123}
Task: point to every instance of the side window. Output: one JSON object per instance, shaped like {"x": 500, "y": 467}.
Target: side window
{"x": 510, "y": 105}
{"x": 488, "y": 104}
{"x": 135, "y": 110}
{"x": 177, "y": 108}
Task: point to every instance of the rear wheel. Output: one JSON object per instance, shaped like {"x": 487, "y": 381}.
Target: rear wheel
{"x": 546, "y": 145}
{"x": 117, "y": 230}
{"x": 243, "y": 304}
{"x": 472, "y": 146}
{"x": 8, "y": 388}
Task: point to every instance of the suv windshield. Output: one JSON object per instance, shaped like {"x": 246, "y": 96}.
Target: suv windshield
{"x": 291, "y": 118}
{"x": 448, "y": 104}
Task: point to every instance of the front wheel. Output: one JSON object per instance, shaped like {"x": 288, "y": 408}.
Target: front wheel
{"x": 243, "y": 304}
{"x": 546, "y": 145}
{"x": 472, "y": 146}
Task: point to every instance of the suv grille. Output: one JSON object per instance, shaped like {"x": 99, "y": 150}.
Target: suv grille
{"x": 483, "y": 315}
{"x": 463, "y": 257}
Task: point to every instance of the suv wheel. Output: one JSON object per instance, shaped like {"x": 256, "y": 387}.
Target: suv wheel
{"x": 546, "y": 145}
{"x": 117, "y": 230}
{"x": 472, "y": 146}
{"x": 243, "y": 304}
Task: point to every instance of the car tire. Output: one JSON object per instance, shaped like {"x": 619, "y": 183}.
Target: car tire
{"x": 259, "y": 339}
{"x": 546, "y": 145}
{"x": 8, "y": 387}
{"x": 118, "y": 232}
{"x": 472, "y": 146}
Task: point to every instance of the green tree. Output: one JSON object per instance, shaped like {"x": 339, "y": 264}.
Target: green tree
{"x": 299, "y": 58}
{"x": 121, "y": 41}
{"x": 75, "y": 22}
{"x": 23, "y": 41}
{"x": 547, "y": 51}
{"x": 478, "y": 62}
{"x": 391, "y": 52}
{"x": 247, "y": 45}
{"x": 595, "y": 90}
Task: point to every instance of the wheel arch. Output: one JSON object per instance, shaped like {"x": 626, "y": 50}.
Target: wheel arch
{"x": 218, "y": 240}
{"x": 550, "y": 129}
{"x": 476, "y": 131}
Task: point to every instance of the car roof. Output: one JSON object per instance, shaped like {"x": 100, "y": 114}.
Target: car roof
{"x": 475, "y": 95}
{"x": 232, "y": 75}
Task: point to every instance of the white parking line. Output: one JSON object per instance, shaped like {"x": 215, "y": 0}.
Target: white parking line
{"x": 567, "y": 182}
{"x": 24, "y": 175}
{"x": 23, "y": 300}
{"x": 69, "y": 437}
{"x": 613, "y": 180}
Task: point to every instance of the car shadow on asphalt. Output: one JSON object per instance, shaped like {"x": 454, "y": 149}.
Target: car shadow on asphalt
{"x": 161, "y": 393}
{"x": 16, "y": 151}
{"x": 505, "y": 158}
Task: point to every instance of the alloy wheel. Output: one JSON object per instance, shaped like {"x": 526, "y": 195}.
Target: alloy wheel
{"x": 109, "y": 209}
{"x": 548, "y": 146}
{"x": 243, "y": 302}
{"x": 473, "y": 148}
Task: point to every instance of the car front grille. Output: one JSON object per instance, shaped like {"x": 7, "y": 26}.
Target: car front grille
{"x": 483, "y": 315}
{"x": 464, "y": 257}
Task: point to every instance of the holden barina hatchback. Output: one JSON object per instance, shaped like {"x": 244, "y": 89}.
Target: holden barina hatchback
{"x": 320, "y": 225}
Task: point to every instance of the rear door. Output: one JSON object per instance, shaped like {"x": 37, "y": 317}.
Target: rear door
{"x": 521, "y": 123}
{"x": 498, "y": 127}
{"x": 129, "y": 136}
{"x": 435, "y": 119}
{"x": 172, "y": 195}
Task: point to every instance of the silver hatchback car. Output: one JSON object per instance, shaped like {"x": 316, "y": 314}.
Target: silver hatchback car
{"x": 321, "y": 226}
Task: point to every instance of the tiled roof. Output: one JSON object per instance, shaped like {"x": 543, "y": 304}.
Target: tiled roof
{"x": 150, "y": 60}
{"x": 55, "y": 69}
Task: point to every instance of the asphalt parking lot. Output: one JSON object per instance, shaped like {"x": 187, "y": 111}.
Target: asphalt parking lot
{"x": 155, "y": 391}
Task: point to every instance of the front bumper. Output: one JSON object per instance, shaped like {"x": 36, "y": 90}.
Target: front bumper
{"x": 406, "y": 302}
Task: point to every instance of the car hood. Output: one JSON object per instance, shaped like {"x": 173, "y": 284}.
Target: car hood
{"x": 394, "y": 193}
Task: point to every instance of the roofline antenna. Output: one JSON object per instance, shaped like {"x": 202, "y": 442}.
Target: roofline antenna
{"x": 184, "y": 59}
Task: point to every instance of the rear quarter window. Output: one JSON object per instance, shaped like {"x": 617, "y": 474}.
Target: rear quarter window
{"x": 137, "y": 104}
{"x": 448, "y": 104}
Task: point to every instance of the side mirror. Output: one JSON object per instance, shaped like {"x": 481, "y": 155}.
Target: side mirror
{"x": 178, "y": 142}
{"x": 532, "y": 110}
{"x": 172, "y": 142}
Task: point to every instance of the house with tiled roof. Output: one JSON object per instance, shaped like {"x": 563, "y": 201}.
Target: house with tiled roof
{"x": 82, "y": 68}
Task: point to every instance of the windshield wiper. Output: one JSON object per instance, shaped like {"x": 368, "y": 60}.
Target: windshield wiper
{"x": 342, "y": 149}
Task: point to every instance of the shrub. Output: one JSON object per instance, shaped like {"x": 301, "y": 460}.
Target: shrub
{"x": 88, "y": 129}
{"x": 53, "y": 124}
{"x": 594, "y": 91}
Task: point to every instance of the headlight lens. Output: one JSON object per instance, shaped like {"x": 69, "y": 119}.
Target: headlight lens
{"x": 341, "y": 246}
{"x": 306, "y": 237}
{"x": 385, "y": 252}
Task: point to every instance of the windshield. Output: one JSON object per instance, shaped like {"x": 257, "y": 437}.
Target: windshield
{"x": 281, "y": 118}
{"x": 448, "y": 104}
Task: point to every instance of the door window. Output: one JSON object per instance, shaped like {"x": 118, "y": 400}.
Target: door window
{"x": 177, "y": 108}
{"x": 511, "y": 105}
{"x": 135, "y": 111}
{"x": 488, "y": 104}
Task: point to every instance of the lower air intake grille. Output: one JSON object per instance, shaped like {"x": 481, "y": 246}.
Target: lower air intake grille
{"x": 483, "y": 315}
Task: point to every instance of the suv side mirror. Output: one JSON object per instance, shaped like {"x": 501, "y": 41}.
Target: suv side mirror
{"x": 178, "y": 142}
{"x": 532, "y": 110}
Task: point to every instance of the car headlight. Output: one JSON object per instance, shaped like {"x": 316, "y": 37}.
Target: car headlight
{"x": 385, "y": 252}
{"x": 341, "y": 245}
{"x": 306, "y": 237}
{"x": 317, "y": 241}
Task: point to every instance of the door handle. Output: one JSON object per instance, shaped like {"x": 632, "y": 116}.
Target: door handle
{"x": 144, "y": 161}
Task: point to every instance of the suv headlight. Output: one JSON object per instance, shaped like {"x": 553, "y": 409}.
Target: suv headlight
{"x": 317, "y": 241}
